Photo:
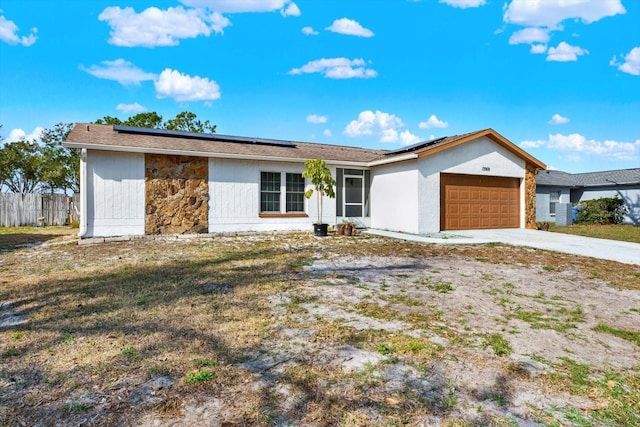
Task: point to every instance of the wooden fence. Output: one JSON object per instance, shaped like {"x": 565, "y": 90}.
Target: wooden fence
{"x": 18, "y": 210}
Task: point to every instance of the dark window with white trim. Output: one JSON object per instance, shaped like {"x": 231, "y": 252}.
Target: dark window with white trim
{"x": 295, "y": 192}
{"x": 269, "y": 192}
{"x": 554, "y": 198}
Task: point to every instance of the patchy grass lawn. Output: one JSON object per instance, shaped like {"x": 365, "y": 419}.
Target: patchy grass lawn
{"x": 12, "y": 237}
{"x": 622, "y": 232}
{"x": 291, "y": 329}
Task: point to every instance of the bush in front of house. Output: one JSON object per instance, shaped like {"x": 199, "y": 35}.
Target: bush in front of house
{"x": 606, "y": 210}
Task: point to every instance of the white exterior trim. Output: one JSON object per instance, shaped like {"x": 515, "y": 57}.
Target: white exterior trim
{"x": 83, "y": 193}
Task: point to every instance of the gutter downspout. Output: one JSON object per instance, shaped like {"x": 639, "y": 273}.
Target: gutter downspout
{"x": 83, "y": 193}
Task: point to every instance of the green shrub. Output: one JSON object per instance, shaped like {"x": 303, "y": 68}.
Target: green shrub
{"x": 607, "y": 210}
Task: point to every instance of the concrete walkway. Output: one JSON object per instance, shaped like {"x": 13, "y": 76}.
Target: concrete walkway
{"x": 625, "y": 252}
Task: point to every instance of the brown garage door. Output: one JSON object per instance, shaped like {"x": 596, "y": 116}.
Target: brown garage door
{"x": 472, "y": 202}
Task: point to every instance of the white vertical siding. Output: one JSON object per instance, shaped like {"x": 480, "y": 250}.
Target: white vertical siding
{"x": 234, "y": 192}
{"x": 115, "y": 196}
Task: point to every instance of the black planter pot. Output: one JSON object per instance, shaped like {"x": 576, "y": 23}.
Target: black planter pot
{"x": 320, "y": 229}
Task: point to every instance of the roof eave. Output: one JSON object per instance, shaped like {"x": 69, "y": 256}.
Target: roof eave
{"x": 140, "y": 150}
{"x": 496, "y": 137}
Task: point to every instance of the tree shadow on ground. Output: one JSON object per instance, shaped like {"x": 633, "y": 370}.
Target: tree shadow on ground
{"x": 16, "y": 240}
{"x": 103, "y": 339}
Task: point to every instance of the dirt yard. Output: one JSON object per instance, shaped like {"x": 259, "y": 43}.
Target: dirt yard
{"x": 290, "y": 329}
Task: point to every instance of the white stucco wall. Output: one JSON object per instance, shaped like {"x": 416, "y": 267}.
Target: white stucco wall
{"x": 471, "y": 158}
{"x": 234, "y": 198}
{"x": 115, "y": 193}
{"x": 394, "y": 197}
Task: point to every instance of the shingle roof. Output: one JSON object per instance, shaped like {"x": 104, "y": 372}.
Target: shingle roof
{"x": 555, "y": 178}
{"x": 589, "y": 179}
{"x": 119, "y": 138}
{"x": 104, "y": 136}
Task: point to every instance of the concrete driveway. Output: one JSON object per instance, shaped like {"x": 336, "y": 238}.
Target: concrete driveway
{"x": 628, "y": 253}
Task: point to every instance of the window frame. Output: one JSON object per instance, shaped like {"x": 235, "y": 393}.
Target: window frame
{"x": 298, "y": 192}
{"x": 353, "y": 174}
{"x": 270, "y": 192}
{"x": 284, "y": 196}
{"x": 553, "y": 200}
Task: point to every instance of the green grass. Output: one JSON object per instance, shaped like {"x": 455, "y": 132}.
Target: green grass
{"x": 617, "y": 394}
{"x": 12, "y": 237}
{"x": 198, "y": 377}
{"x": 625, "y": 233}
{"x": 498, "y": 343}
{"x": 633, "y": 336}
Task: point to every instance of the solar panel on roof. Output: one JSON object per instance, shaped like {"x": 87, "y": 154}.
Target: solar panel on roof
{"x": 414, "y": 146}
{"x": 207, "y": 136}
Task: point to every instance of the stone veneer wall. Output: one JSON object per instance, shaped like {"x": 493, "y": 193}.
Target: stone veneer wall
{"x": 530, "y": 198}
{"x": 176, "y": 194}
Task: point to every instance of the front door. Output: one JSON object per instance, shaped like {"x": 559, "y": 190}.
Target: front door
{"x": 353, "y": 196}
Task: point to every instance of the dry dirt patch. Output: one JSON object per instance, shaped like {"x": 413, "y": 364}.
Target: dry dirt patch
{"x": 295, "y": 330}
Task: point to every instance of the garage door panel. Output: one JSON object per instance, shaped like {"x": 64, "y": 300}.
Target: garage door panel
{"x": 475, "y": 202}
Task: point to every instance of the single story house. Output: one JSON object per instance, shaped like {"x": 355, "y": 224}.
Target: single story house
{"x": 136, "y": 181}
{"x": 555, "y": 186}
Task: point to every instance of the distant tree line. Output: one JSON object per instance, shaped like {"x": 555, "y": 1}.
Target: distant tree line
{"x": 185, "y": 121}
{"x": 30, "y": 166}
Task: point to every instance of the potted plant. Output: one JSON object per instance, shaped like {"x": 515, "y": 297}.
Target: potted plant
{"x": 544, "y": 226}
{"x": 323, "y": 183}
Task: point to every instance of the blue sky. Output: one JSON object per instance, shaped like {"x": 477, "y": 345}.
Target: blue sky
{"x": 560, "y": 78}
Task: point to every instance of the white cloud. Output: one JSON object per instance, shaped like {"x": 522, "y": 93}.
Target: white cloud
{"x": 309, "y": 31}
{"x": 337, "y": 68}
{"x": 538, "y": 48}
{"x": 182, "y": 87}
{"x": 243, "y": 6}
{"x": 631, "y": 64}
{"x": 557, "y": 119}
{"x": 550, "y": 13}
{"x": 564, "y": 52}
{"x": 389, "y": 135}
{"x": 349, "y": 27}
{"x": 407, "y": 138}
{"x": 124, "y": 72}
{"x": 156, "y": 27}
{"x": 379, "y": 123}
{"x": 463, "y": 4}
{"x": 131, "y": 108}
{"x": 576, "y": 144}
{"x": 316, "y": 119}
{"x": 433, "y": 122}
{"x": 533, "y": 144}
{"x": 291, "y": 10}
{"x": 20, "y": 135}
{"x": 327, "y": 132}
{"x": 9, "y": 30}
{"x": 530, "y": 35}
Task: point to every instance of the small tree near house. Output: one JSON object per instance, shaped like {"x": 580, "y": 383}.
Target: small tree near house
{"x": 320, "y": 176}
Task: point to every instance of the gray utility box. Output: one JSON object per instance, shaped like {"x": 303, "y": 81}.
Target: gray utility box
{"x": 563, "y": 214}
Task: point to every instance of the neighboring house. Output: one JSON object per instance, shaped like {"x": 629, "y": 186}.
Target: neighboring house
{"x": 561, "y": 187}
{"x": 147, "y": 181}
